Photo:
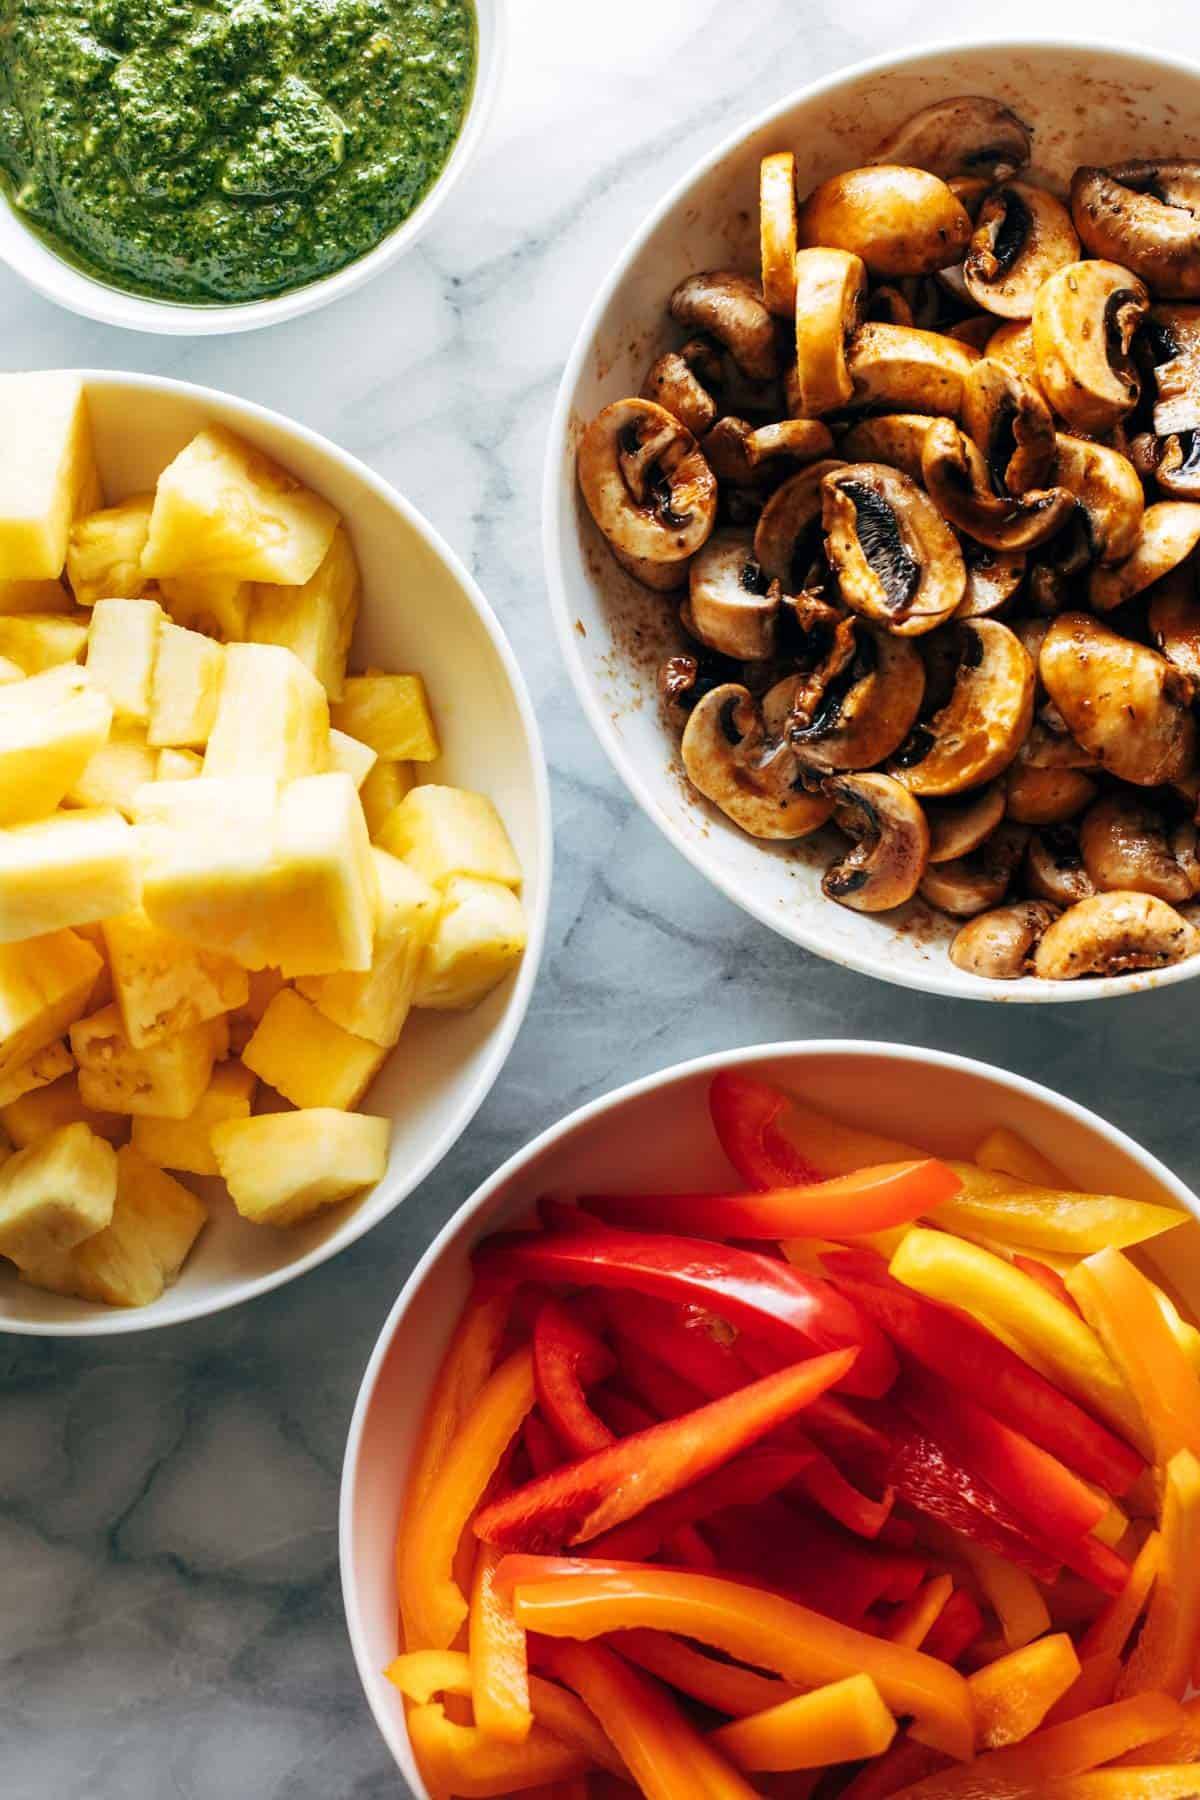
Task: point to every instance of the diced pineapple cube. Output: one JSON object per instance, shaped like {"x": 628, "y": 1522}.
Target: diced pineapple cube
{"x": 224, "y": 508}
{"x": 102, "y": 993}
{"x": 104, "y": 552}
{"x": 217, "y": 605}
{"x": 272, "y": 718}
{"x": 382, "y": 792}
{"x": 51, "y": 727}
{"x": 155, "y": 1221}
{"x": 184, "y": 1144}
{"x": 280, "y": 1167}
{"x": 65, "y": 870}
{"x": 43, "y": 1068}
{"x": 166, "y": 1079}
{"x": 34, "y": 597}
{"x": 10, "y": 671}
{"x": 185, "y": 687}
{"x": 116, "y": 772}
{"x": 163, "y": 984}
{"x": 45, "y": 985}
{"x": 479, "y": 938}
{"x": 43, "y": 1110}
{"x": 39, "y": 641}
{"x": 178, "y": 765}
{"x": 56, "y": 1193}
{"x": 445, "y": 831}
{"x": 391, "y": 713}
{"x": 307, "y": 1058}
{"x": 375, "y": 1005}
{"x": 323, "y": 885}
{"x": 264, "y": 985}
{"x": 47, "y": 472}
{"x": 315, "y": 621}
{"x": 122, "y": 646}
{"x": 354, "y": 759}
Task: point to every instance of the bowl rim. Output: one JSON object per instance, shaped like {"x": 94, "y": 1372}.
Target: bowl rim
{"x": 557, "y": 496}
{"x": 56, "y": 278}
{"x": 797, "y": 1051}
{"x": 536, "y": 895}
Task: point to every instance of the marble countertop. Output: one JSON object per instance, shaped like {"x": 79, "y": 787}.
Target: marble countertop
{"x": 171, "y": 1625}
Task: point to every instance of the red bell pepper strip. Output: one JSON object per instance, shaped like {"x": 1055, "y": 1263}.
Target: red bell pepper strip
{"x": 541, "y": 1446}
{"x": 816, "y": 1561}
{"x": 958, "y": 1625}
{"x": 802, "y": 1314}
{"x": 962, "y": 1353}
{"x": 622, "y": 1415}
{"x": 823, "y": 1483}
{"x": 744, "y": 1112}
{"x": 683, "y": 1337}
{"x": 926, "y": 1479}
{"x": 663, "y": 1393}
{"x": 577, "y": 1503}
{"x": 745, "y": 1481}
{"x": 1048, "y": 1278}
{"x": 566, "y": 1358}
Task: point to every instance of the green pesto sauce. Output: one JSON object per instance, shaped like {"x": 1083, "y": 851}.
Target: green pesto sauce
{"x": 223, "y": 151}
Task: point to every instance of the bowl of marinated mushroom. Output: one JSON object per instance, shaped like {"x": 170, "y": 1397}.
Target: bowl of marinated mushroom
{"x": 872, "y": 514}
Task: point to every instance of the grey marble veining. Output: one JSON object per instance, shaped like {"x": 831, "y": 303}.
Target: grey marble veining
{"x": 170, "y": 1619}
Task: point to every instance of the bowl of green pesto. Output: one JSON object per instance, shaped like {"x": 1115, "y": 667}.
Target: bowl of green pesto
{"x": 194, "y": 166}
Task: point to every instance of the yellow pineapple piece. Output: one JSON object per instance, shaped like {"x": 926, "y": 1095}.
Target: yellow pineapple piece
{"x": 354, "y": 759}
{"x": 155, "y": 1221}
{"x": 391, "y": 713}
{"x": 479, "y": 938}
{"x": 178, "y": 765}
{"x": 316, "y": 621}
{"x": 51, "y": 726}
{"x": 34, "y": 597}
{"x": 104, "y": 552}
{"x": 43, "y": 1068}
{"x": 47, "y": 472}
{"x": 10, "y": 671}
{"x": 122, "y": 646}
{"x": 55, "y": 1193}
{"x": 166, "y": 1078}
{"x": 375, "y": 1005}
{"x": 40, "y": 641}
{"x": 45, "y": 985}
{"x": 185, "y": 687}
{"x": 281, "y": 1167}
{"x": 307, "y": 1058}
{"x": 164, "y": 985}
{"x": 40, "y": 1111}
{"x": 65, "y": 870}
{"x": 323, "y": 883}
{"x": 184, "y": 1144}
{"x": 264, "y": 985}
{"x": 443, "y": 831}
{"x": 116, "y": 772}
{"x": 382, "y": 791}
{"x": 224, "y": 508}
{"x": 102, "y": 993}
{"x": 217, "y": 605}
{"x": 272, "y": 717}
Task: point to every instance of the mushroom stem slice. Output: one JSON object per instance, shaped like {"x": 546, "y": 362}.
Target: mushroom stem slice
{"x": 891, "y": 847}
{"x": 648, "y": 488}
{"x": 673, "y": 384}
{"x": 1010, "y": 425}
{"x": 896, "y": 368}
{"x": 1170, "y": 531}
{"x": 1021, "y": 237}
{"x": 895, "y": 558}
{"x": 730, "y": 307}
{"x": 968, "y": 135}
{"x": 1123, "y": 702}
{"x": 1115, "y": 934}
{"x": 1119, "y": 215}
{"x": 777, "y": 232}
{"x": 980, "y": 729}
{"x": 1108, "y": 492}
{"x": 956, "y": 479}
{"x": 1125, "y": 845}
{"x": 752, "y": 778}
{"x": 1001, "y": 945}
{"x": 1084, "y": 320}
{"x": 900, "y": 221}
{"x": 830, "y": 287}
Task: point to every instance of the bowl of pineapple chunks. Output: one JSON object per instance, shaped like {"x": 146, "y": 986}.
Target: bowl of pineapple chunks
{"x": 274, "y": 851}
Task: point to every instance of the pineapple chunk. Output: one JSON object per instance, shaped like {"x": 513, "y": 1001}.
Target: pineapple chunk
{"x": 116, "y": 772}
{"x": 185, "y": 687}
{"x": 323, "y": 885}
{"x": 155, "y": 1221}
{"x": 391, "y": 713}
{"x": 224, "y": 508}
{"x": 122, "y": 646}
{"x": 104, "y": 552}
{"x": 184, "y": 1144}
{"x": 34, "y": 597}
{"x": 56, "y": 1193}
{"x": 51, "y": 726}
{"x": 307, "y": 1058}
{"x": 315, "y": 621}
{"x": 43, "y": 1068}
{"x": 375, "y": 1005}
{"x": 166, "y": 1079}
{"x": 10, "y": 671}
{"x": 217, "y": 605}
{"x": 382, "y": 791}
{"x": 353, "y": 758}
{"x": 163, "y": 985}
{"x": 479, "y": 937}
{"x": 65, "y": 870}
{"x": 42, "y": 1110}
{"x": 45, "y": 985}
{"x": 178, "y": 765}
{"x": 47, "y": 472}
{"x": 443, "y": 831}
{"x": 272, "y": 718}
{"x": 39, "y": 641}
{"x": 264, "y": 985}
{"x": 280, "y": 1167}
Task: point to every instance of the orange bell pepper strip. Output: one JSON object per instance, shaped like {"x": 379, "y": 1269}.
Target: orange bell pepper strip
{"x": 461, "y": 1760}
{"x": 1014, "y": 1694}
{"x": 1164, "y": 1783}
{"x": 1014, "y": 1596}
{"x": 1179, "y": 1746}
{"x": 750, "y": 1624}
{"x": 899, "y": 1767}
{"x": 1168, "y": 1647}
{"x": 844, "y": 1721}
{"x": 725, "y": 1687}
{"x": 431, "y": 1602}
{"x": 1112, "y": 1627}
{"x": 1119, "y": 1304}
{"x": 1046, "y": 1218}
{"x": 466, "y": 1365}
{"x": 1095, "y": 1686}
{"x": 498, "y": 1654}
{"x": 914, "y": 1620}
{"x": 1005, "y": 1152}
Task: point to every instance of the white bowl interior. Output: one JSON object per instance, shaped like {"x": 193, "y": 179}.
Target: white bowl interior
{"x": 1087, "y": 105}
{"x": 658, "y": 1131}
{"x": 420, "y": 611}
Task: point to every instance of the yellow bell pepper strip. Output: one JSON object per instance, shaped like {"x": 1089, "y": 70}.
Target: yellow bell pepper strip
{"x": 498, "y": 1655}
{"x": 1014, "y": 1694}
{"x": 912, "y": 1622}
{"x": 1163, "y": 1783}
{"x": 1185, "y": 1335}
{"x": 461, "y": 1760}
{"x": 1004, "y": 1152}
{"x": 1014, "y": 1596}
{"x": 1047, "y": 1218}
{"x": 432, "y": 1604}
{"x": 750, "y": 1624}
{"x": 723, "y": 1686}
{"x": 1118, "y": 1303}
{"x": 1179, "y": 1746}
{"x": 1112, "y": 1627}
{"x": 465, "y": 1367}
{"x": 1022, "y": 1315}
{"x": 1168, "y": 1646}
{"x": 844, "y": 1721}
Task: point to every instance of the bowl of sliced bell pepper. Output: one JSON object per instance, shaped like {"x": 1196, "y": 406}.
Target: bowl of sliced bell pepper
{"x": 814, "y": 1420}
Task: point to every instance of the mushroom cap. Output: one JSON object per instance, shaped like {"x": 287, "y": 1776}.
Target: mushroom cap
{"x": 728, "y": 759}
{"x": 1012, "y": 344}
{"x": 831, "y": 287}
{"x": 1084, "y": 319}
{"x": 730, "y": 307}
{"x": 896, "y": 439}
{"x": 956, "y": 827}
{"x": 1123, "y": 702}
{"x": 632, "y": 445}
{"x": 1170, "y": 531}
{"x": 1000, "y": 945}
{"x": 1106, "y": 487}
{"x": 673, "y": 384}
{"x": 993, "y": 578}
{"x": 1046, "y": 796}
{"x": 957, "y": 481}
{"x": 898, "y": 368}
{"x": 868, "y": 709}
{"x": 1124, "y": 844}
{"x": 967, "y": 885}
{"x": 1021, "y": 236}
{"x": 981, "y": 727}
{"x": 791, "y": 512}
{"x": 896, "y": 559}
{"x": 730, "y": 605}
{"x": 891, "y": 847}
{"x": 962, "y": 136}
{"x": 1054, "y": 868}
{"x": 777, "y": 232}
{"x": 1113, "y": 934}
{"x": 1117, "y": 218}
{"x": 1174, "y": 619}
{"x": 900, "y": 221}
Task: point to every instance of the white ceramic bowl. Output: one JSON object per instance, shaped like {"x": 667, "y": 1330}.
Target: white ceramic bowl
{"x": 421, "y": 610}
{"x": 1088, "y": 104}
{"x": 657, "y": 1131}
{"x": 57, "y": 279}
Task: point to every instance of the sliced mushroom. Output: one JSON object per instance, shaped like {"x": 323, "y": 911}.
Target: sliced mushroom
{"x": 789, "y": 515}
{"x": 1173, "y": 333}
{"x": 730, "y": 307}
{"x": 1049, "y": 744}
{"x": 993, "y": 577}
{"x": 1123, "y": 702}
{"x": 982, "y": 725}
{"x": 1054, "y": 866}
{"x": 956, "y": 827}
{"x": 731, "y": 606}
{"x": 1114, "y": 934}
{"x": 1106, "y": 486}
{"x": 673, "y": 383}
{"x": 648, "y": 488}
{"x": 973, "y": 332}
{"x": 1125, "y": 845}
{"x": 1046, "y": 796}
{"x": 964, "y": 136}
{"x": 865, "y": 711}
{"x": 730, "y": 759}
{"x": 1022, "y": 236}
{"x": 893, "y": 438}
{"x": 970, "y": 884}
{"x": 1084, "y": 320}
{"x": 956, "y": 478}
{"x": 1001, "y": 945}
{"x": 896, "y": 368}
{"x": 901, "y": 221}
{"x": 1143, "y": 214}
{"x": 737, "y": 451}
{"x": 1013, "y": 344}
{"x": 1178, "y": 471}
{"x": 895, "y": 558}
{"x": 1010, "y": 425}
{"x": 891, "y": 847}
{"x": 830, "y": 289}
{"x": 887, "y": 305}
{"x": 1174, "y": 619}
{"x": 1032, "y": 634}
{"x": 777, "y": 231}
{"x": 1185, "y": 848}
{"x": 1170, "y": 532}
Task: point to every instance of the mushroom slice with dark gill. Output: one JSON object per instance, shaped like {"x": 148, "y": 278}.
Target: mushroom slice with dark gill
{"x": 1122, "y": 702}
{"x": 979, "y": 730}
{"x": 968, "y": 135}
{"x": 1054, "y": 868}
{"x": 971, "y": 884}
{"x": 896, "y": 559}
{"x": 1170, "y": 531}
{"x": 896, "y": 439}
{"x": 891, "y": 845}
{"x": 731, "y": 606}
{"x": 1010, "y": 425}
{"x": 831, "y": 288}
{"x": 752, "y": 778}
{"x": 1173, "y": 616}
{"x": 1107, "y": 490}
{"x": 1021, "y": 237}
{"x": 956, "y": 827}
{"x": 1115, "y": 934}
{"x": 863, "y": 712}
{"x": 993, "y": 578}
{"x": 786, "y": 521}
{"x": 957, "y": 481}
{"x": 1125, "y": 845}
{"x": 730, "y": 307}
{"x": 1173, "y": 333}
{"x": 897, "y": 368}
{"x": 648, "y": 488}
{"x": 900, "y": 221}
{"x": 1145, "y": 215}
{"x": 680, "y": 381}
{"x": 1001, "y": 945}
{"x": 1084, "y": 321}
{"x": 1046, "y": 796}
